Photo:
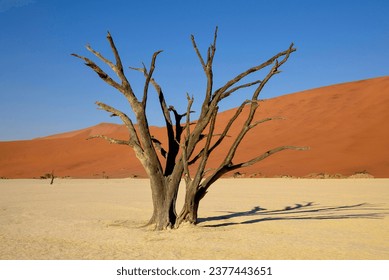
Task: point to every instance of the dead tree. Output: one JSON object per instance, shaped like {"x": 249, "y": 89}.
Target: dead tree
{"x": 189, "y": 142}
{"x": 52, "y": 176}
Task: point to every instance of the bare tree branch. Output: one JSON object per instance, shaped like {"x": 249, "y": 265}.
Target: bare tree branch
{"x": 125, "y": 86}
{"x": 115, "y": 112}
{"x": 148, "y": 77}
{"x": 184, "y": 146}
{"x": 188, "y": 111}
{"x": 228, "y": 168}
{"x": 140, "y": 139}
{"x": 198, "y": 52}
{"x": 274, "y": 70}
{"x": 205, "y": 151}
{"x": 174, "y": 138}
{"x": 184, "y": 157}
{"x": 165, "y": 109}
{"x": 119, "y": 67}
{"x": 265, "y": 155}
{"x": 265, "y": 120}
{"x": 125, "y": 119}
{"x": 162, "y": 101}
{"x": 254, "y": 105}
{"x": 110, "y": 140}
{"x": 228, "y": 93}
{"x": 224, "y": 133}
{"x": 102, "y": 58}
{"x": 104, "y": 76}
{"x": 213, "y": 46}
{"x": 251, "y": 70}
{"x": 207, "y": 67}
{"x": 159, "y": 147}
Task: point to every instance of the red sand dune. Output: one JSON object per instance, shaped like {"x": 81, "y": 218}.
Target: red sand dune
{"x": 345, "y": 126}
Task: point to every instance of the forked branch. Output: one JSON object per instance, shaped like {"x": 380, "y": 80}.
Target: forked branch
{"x": 231, "y": 167}
{"x": 265, "y": 155}
{"x": 104, "y": 76}
{"x": 148, "y": 75}
{"x": 207, "y": 67}
{"x": 248, "y": 124}
{"x": 134, "y": 139}
{"x": 222, "y": 90}
{"x": 140, "y": 139}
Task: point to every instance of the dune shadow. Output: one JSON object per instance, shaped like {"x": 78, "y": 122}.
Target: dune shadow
{"x": 299, "y": 211}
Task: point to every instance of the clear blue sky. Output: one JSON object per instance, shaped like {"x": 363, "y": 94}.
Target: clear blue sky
{"x": 44, "y": 90}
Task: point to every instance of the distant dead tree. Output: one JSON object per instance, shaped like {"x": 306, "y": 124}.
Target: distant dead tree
{"x": 189, "y": 142}
{"x": 52, "y": 176}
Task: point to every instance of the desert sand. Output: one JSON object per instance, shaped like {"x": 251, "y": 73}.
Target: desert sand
{"x": 239, "y": 219}
{"x": 345, "y": 126}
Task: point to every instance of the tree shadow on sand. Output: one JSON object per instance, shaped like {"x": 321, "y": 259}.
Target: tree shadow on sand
{"x": 305, "y": 211}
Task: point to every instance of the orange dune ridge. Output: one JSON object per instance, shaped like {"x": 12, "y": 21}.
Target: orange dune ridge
{"x": 345, "y": 126}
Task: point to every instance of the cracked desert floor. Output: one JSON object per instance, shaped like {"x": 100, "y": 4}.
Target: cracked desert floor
{"x": 239, "y": 219}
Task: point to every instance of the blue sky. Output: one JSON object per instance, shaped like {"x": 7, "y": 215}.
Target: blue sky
{"x": 44, "y": 90}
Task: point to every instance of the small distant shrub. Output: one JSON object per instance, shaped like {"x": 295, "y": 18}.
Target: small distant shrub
{"x": 46, "y": 176}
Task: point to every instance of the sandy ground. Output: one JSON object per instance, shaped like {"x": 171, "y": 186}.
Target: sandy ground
{"x": 240, "y": 219}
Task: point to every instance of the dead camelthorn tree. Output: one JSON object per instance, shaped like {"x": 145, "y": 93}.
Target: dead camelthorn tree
{"x": 189, "y": 142}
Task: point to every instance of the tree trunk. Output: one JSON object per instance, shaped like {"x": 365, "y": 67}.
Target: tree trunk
{"x": 189, "y": 212}
{"x": 164, "y": 195}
